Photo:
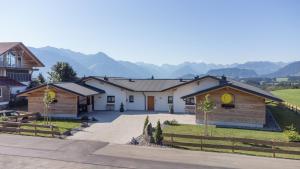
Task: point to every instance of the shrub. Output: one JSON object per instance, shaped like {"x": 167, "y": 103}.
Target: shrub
{"x": 292, "y": 133}
{"x": 85, "y": 118}
{"x": 122, "y": 107}
{"x": 158, "y": 134}
{"x": 171, "y": 123}
{"x": 134, "y": 141}
{"x": 4, "y": 118}
{"x": 145, "y": 124}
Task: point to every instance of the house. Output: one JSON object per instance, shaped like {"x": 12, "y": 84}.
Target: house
{"x": 17, "y": 64}
{"x": 238, "y": 104}
{"x": 70, "y": 99}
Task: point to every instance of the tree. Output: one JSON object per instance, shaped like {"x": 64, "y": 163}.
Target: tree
{"x": 41, "y": 78}
{"x": 158, "y": 133}
{"x": 47, "y": 100}
{"x": 206, "y": 106}
{"x": 145, "y": 123}
{"x": 62, "y": 72}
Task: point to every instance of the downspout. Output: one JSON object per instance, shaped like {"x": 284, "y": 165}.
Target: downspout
{"x": 145, "y": 101}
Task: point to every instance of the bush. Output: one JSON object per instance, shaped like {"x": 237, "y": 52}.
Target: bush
{"x": 134, "y": 141}
{"x": 158, "y": 134}
{"x": 4, "y": 118}
{"x": 171, "y": 123}
{"x": 145, "y": 124}
{"x": 85, "y": 118}
{"x": 292, "y": 133}
{"x": 122, "y": 107}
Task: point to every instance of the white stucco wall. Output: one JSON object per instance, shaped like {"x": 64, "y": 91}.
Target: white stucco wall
{"x": 179, "y": 103}
{"x": 160, "y": 98}
{"x": 100, "y": 100}
{"x": 139, "y": 101}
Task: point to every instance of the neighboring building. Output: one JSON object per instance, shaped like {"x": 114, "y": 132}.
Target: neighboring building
{"x": 244, "y": 104}
{"x": 17, "y": 64}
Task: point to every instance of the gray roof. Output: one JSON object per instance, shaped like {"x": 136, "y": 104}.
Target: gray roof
{"x": 81, "y": 90}
{"x": 238, "y": 85}
{"x": 78, "y": 89}
{"x": 145, "y": 85}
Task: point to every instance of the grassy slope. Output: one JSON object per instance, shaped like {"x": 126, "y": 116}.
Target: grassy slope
{"x": 289, "y": 95}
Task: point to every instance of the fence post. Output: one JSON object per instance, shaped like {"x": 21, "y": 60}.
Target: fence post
{"x": 201, "y": 143}
{"x": 232, "y": 142}
{"x": 35, "y": 133}
{"x": 19, "y": 128}
{"x": 52, "y": 130}
{"x": 273, "y": 148}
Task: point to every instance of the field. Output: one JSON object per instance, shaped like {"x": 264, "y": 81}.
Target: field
{"x": 289, "y": 95}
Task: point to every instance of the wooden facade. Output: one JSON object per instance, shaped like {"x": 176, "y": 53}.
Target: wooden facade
{"x": 247, "y": 109}
{"x": 66, "y": 105}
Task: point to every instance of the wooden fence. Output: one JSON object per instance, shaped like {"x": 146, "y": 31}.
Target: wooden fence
{"x": 291, "y": 107}
{"x": 256, "y": 145}
{"x": 17, "y": 127}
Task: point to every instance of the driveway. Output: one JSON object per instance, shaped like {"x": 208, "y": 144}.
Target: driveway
{"x": 116, "y": 127}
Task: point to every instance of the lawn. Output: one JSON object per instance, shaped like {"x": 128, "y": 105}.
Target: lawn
{"x": 63, "y": 126}
{"x": 284, "y": 117}
{"x": 289, "y": 95}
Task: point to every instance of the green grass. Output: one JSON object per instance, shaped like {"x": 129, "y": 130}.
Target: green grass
{"x": 63, "y": 126}
{"x": 284, "y": 118}
{"x": 289, "y": 95}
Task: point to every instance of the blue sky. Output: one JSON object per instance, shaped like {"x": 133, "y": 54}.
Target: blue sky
{"x": 159, "y": 31}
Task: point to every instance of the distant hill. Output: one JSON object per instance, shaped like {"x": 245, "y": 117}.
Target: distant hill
{"x": 233, "y": 72}
{"x": 263, "y": 67}
{"x": 292, "y": 69}
{"x": 102, "y": 64}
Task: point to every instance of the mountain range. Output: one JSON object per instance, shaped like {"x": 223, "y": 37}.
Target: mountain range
{"x": 101, "y": 64}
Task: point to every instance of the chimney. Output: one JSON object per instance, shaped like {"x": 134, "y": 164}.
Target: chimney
{"x": 105, "y": 78}
{"x": 223, "y": 79}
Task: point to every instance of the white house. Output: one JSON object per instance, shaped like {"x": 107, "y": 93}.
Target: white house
{"x": 148, "y": 94}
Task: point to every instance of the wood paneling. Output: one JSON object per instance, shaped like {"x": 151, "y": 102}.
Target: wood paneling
{"x": 249, "y": 109}
{"x": 66, "y": 102}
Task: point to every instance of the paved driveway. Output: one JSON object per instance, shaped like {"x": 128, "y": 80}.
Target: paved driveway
{"x": 116, "y": 127}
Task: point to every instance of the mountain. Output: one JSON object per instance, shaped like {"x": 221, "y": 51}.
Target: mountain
{"x": 262, "y": 67}
{"x": 101, "y": 64}
{"x": 233, "y": 72}
{"x": 292, "y": 69}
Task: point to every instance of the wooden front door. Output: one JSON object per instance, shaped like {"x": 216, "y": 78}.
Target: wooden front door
{"x": 150, "y": 101}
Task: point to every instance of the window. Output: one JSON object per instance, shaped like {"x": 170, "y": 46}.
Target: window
{"x": 170, "y": 99}
{"x": 131, "y": 98}
{"x": 10, "y": 59}
{"x": 227, "y": 100}
{"x": 110, "y": 99}
{"x": 0, "y": 92}
{"x": 190, "y": 101}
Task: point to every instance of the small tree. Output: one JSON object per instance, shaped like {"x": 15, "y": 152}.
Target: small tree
{"x": 158, "y": 133}
{"x": 206, "y": 106}
{"x": 122, "y": 107}
{"x": 48, "y": 99}
{"x": 146, "y": 123}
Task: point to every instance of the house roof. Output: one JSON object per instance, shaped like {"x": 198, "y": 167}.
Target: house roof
{"x": 6, "y": 81}
{"x": 69, "y": 87}
{"x": 240, "y": 86}
{"x": 141, "y": 85}
{"x": 5, "y": 46}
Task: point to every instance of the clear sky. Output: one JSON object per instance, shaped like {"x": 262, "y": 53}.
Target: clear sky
{"x": 159, "y": 31}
